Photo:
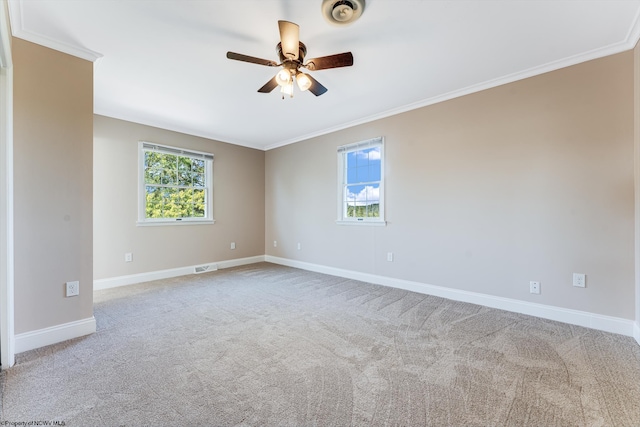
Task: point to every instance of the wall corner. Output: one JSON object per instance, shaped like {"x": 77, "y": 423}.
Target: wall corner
{"x": 636, "y": 145}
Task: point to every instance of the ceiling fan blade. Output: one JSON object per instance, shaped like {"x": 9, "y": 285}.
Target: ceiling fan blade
{"x": 316, "y": 88}
{"x": 331, "y": 61}
{"x": 269, "y": 86}
{"x": 290, "y": 39}
{"x": 252, "y": 59}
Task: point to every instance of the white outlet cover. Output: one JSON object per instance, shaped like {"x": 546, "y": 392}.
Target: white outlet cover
{"x": 534, "y": 287}
{"x": 72, "y": 288}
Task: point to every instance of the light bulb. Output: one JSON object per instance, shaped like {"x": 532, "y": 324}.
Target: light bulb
{"x": 303, "y": 80}
{"x": 283, "y": 77}
{"x": 342, "y": 13}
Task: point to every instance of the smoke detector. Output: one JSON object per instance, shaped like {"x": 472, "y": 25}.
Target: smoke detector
{"x": 342, "y": 12}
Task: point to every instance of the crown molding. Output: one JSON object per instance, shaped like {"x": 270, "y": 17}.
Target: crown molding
{"x": 18, "y": 30}
{"x": 531, "y": 72}
{"x": 633, "y": 36}
{"x": 627, "y": 44}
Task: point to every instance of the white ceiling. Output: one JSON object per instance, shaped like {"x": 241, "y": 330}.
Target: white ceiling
{"x": 163, "y": 63}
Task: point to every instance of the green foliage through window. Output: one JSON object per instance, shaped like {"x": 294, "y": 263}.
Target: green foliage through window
{"x": 175, "y": 186}
{"x": 369, "y": 211}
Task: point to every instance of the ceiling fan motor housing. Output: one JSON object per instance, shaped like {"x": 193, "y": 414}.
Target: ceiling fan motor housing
{"x": 342, "y": 12}
{"x": 302, "y": 52}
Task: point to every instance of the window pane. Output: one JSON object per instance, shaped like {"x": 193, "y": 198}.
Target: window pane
{"x": 353, "y": 192}
{"x": 363, "y": 166}
{"x": 170, "y": 208}
{"x": 363, "y": 174}
{"x": 198, "y": 180}
{"x": 349, "y": 201}
{"x": 152, "y": 175}
{"x": 184, "y": 163}
{"x": 185, "y": 202}
{"x": 169, "y": 176}
{"x": 352, "y": 159}
{"x": 169, "y": 161}
{"x": 153, "y": 208}
{"x": 153, "y": 167}
{"x": 162, "y": 202}
{"x": 184, "y": 177}
{"x": 198, "y": 203}
{"x": 364, "y": 193}
{"x": 363, "y": 200}
{"x": 197, "y": 166}
{"x": 352, "y": 175}
{"x": 373, "y": 154}
{"x": 374, "y": 171}
{"x": 153, "y": 160}
{"x": 373, "y": 210}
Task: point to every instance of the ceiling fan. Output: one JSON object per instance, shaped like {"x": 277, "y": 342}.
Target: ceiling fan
{"x": 291, "y": 52}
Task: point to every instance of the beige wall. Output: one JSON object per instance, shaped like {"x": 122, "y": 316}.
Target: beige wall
{"x": 533, "y": 180}
{"x": 53, "y": 133}
{"x": 238, "y": 204}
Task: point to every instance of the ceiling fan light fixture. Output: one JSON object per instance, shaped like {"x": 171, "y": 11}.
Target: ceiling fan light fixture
{"x": 287, "y": 89}
{"x": 303, "y": 80}
{"x": 342, "y": 12}
{"x": 283, "y": 78}
{"x": 289, "y": 32}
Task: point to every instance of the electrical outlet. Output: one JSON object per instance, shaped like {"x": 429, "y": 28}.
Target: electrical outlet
{"x": 299, "y": 246}
{"x": 390, "y": 256}
{"x": 233, "y": 245}
{"x": 580, "y": 280}
{"x": 73, "y": 289}
{"x": 128, "y": 257}
{"x": 275, "y": 243}
{"x": 534, "y": 287}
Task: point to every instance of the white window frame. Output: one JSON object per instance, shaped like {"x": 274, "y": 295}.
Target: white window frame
{"x": 343, "y": 150}
{"x": 144, "y": 146}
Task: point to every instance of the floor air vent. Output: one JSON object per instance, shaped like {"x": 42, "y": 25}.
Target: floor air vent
{"x": 205, "y": 268}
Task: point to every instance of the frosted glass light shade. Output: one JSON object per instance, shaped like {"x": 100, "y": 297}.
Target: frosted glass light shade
{"x": 283, "y": 77}
{"x": 303, "y": 80}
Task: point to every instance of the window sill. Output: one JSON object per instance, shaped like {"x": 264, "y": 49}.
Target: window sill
{"x": 377, "y": 223}
{"x": 174, "y": 222}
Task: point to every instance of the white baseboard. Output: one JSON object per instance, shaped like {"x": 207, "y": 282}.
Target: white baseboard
{"x": 54, "y": 334}
{"x": 575, "y": 317}
{"x": 114, "y": 282}
{"x": 240, "y": 261}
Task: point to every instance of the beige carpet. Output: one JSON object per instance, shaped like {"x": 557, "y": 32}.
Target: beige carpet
{"x": 277, "y": 346}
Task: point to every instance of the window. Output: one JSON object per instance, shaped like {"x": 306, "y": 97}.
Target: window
{"x": 361, "y": 183}
{"x": 175, "y": 185}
